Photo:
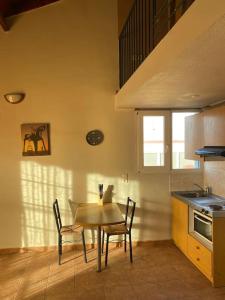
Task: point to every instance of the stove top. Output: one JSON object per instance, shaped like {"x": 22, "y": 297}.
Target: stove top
{"x": 212, "y": 205}
{"x": 212, "y": 208}
{"x": 215, "y": 207}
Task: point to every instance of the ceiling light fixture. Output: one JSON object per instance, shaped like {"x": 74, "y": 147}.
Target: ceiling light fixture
{"x": 14, "y": 98}
{"x": 195, "y": 95}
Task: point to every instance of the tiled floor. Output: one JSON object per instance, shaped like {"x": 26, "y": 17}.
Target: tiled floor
{"x": 159, "y": 271}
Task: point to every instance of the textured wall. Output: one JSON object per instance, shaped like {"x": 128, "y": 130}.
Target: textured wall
{"x": 185, "y": 181}
{"x": 65, "y": 57}
{"x": 214, "y": 177}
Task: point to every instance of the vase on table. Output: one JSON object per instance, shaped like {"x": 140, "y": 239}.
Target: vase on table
{"x": 100, "y": 189}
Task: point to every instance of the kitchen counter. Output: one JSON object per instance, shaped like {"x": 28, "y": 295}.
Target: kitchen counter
{"x": 200, "y": 238}
{"x": 201, "y": 203}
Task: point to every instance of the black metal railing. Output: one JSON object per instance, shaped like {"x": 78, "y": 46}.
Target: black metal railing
{"x": 148, "y": 22}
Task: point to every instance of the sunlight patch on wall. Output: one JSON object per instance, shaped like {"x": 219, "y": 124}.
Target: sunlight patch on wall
{"x": 121, "y": 189}
{"x": 40, "y": 185}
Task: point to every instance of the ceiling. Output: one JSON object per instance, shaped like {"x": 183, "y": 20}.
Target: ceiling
{"x": 195, "y": 79}
{"x": 9, "y": 8}
{"x": 192, "y": 77}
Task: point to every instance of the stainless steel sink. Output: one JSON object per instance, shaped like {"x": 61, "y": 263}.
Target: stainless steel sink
{"x": 192, "y": 194}
{"x": 201, "y": 201}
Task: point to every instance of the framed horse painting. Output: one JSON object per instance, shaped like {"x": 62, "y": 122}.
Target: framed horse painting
{"x": 35, "y": 139}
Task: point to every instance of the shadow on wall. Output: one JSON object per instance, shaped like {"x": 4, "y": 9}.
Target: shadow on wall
{"x": 40, "y": 186}
{"x": 154, "y": 216}
{"x": 150, "y": 218}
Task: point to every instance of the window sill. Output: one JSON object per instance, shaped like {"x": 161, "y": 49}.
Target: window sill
{"x": 186, "y": 171}
{"x": 166, "y": 171}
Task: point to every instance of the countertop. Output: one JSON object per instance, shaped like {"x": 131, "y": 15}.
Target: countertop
{"x": 200, "y": 203}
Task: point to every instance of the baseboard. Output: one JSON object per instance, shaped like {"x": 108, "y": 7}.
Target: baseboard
{"x": 77, "y": 247}
{"x": 153, "y": 243}
{"x": 44, "y": 248}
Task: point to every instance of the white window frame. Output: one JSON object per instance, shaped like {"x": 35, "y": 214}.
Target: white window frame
{"x": 168, "y": 143}
{"x": 140, "y": 144}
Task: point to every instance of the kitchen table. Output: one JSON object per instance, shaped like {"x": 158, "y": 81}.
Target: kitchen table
{"x": 97, "y": 216}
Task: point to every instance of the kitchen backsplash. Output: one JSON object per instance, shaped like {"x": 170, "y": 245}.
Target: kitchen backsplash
{"x": 214, "y": 176}
{"x": 184, "y": 181}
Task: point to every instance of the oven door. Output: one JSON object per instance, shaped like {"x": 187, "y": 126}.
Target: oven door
{"x": 202, "y": 225}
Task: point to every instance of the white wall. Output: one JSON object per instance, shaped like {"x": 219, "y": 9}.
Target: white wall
{"x": 65, "y": 58}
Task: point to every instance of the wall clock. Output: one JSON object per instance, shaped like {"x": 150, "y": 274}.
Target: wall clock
{"x": 95, "y": 137}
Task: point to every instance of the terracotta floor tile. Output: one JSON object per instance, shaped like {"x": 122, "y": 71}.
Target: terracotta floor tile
{"x": 8, "y": 294}
{"x": 90, "y": 293}
{"x": 152, "y": 291}
{"x": 58, "y": 278}
{"x": 29, "y": 289}
{"x": 113, "y": 278}
{"x": 208, "y": 297}
{"x": 175, "y": 289}
{"x": 60, "y": 288}
{"x": 8, "y": 297}
{"x": 60, "y": 297}
{"x": 120, "y": 292}
{"x": 159, "y": 271}
{"x": 41, "y": 273}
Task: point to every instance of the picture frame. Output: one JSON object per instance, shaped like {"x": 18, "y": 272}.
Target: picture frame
{"x": 35, "y": 139}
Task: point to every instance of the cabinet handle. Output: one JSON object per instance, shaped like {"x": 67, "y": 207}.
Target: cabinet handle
{"x": 198, "y": 259}
{"x": 197, "y": 247}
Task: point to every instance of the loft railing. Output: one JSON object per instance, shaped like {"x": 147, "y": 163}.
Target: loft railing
{"x": 148, "y": 22}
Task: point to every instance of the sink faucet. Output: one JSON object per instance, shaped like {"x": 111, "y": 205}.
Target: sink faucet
{"x": 205, "y": 191}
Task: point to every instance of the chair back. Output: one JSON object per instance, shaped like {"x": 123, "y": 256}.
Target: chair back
{"x": 130, "y": 209}
{"x": 73, "y": 207}
{"x": 57, "y": 215}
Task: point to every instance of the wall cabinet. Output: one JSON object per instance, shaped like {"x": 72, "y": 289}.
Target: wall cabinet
{"x": 214, "y": 124}
{"x": 204, "y": 129}
{"x": 194, "y": 138}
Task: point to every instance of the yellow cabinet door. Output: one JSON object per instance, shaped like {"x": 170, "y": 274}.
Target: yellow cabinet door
{"x": 180, "y": 224}
{"x": 200, "y": 256}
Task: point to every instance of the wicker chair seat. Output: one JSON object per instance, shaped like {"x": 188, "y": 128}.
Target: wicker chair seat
{"x": 69, "y": 229}
{"x": 116, "y": 229}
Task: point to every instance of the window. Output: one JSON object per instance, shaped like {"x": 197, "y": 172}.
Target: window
{"x": 178, "y": 142}
{"x": 160, "y": 147}
{"x": 153, "y": 141}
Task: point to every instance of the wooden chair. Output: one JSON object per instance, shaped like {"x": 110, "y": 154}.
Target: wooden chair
{"x": 66, "y": 230}
{"x": 123, "y": 228}
{"x": 73, "y": 207}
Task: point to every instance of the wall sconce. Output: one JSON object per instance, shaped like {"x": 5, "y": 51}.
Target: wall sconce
{"x": 14, "y": 98}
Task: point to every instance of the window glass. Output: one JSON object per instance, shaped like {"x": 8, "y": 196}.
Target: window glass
{"x": 153, "y": 141}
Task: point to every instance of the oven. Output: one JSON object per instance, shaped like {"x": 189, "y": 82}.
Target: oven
{"x": 200, "y": 225}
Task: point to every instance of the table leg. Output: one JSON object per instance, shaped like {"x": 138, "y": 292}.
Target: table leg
{"x": 99, "y": 268}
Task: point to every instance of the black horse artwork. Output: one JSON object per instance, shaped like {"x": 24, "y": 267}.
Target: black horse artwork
{"x": 33, "y": 142}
